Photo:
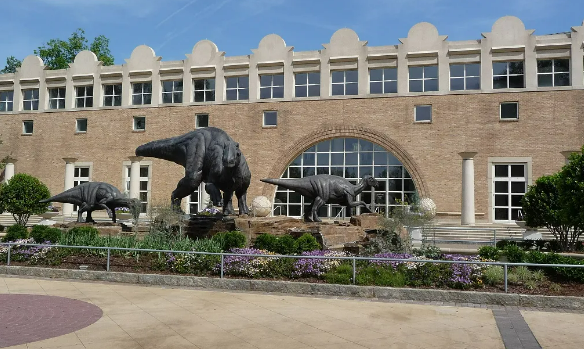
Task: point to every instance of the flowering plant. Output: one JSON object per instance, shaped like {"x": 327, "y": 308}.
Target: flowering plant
{"x": 465, "y": 274}
{"x": 209, "y": 211}
{"x": 122, "y": 210}
{"x": 307, "y": 267}
{"x": 27, "y": 253}
{"x": 52, "y": 208}
{"x": 244, "y": 265}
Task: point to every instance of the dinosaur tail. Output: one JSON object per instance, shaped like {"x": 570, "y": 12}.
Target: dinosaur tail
{"x": 165, "y": 149}
{"x": 63, "y": 197}
{"x": 291, "y": 184}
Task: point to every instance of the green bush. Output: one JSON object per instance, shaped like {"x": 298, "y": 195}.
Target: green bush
{"x": 343, "y": 274}
{"x": 489, "y": 252}
{"x": 493, "y": 275}
{"x": 428, "y": 251}
{"x": 381, "y": 276}
{"x": 21, "y": 196}
{"x": 306, "y": 243}
{"x": 514, "y": 254}
{"x": 569, "y": 274}
{"x": 265, "y": 242}
{"x": 286, "y": 244}
{"x": 43, "y": 233}
{"x": 15, "y": 232}
{"x": 501, "y": 244}
{"x": 230, "y": 239}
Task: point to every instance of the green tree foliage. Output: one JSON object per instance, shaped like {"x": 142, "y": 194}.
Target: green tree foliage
{"x": 11, "y": 64}
{"x": 557, "y": 203}
{"x": 21, "y": 196}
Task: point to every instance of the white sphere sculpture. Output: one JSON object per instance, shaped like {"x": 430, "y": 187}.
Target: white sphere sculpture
{"x": 261, "y": 206}
{"x": 427, "y": 206}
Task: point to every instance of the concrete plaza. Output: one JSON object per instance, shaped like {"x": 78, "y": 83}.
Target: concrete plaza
{"x": 137, "y": 316}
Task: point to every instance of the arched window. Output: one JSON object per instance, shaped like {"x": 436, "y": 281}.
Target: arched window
{"x": 351, "y": 158}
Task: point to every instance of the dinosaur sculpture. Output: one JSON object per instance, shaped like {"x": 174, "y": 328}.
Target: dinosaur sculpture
{"x": 326, "y": 189}
{"x": 92, "y": 196}
{"x": 208, "y": 155}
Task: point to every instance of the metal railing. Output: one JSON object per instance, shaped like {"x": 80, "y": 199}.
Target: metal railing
{"x": 354, "y": 259}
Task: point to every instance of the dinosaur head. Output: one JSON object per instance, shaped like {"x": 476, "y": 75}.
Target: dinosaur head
{"x": 370, "y": 181}
{"x": 231, "y": 154}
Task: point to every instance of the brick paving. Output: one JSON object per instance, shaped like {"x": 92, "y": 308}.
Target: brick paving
{"x": 26, "y": 318}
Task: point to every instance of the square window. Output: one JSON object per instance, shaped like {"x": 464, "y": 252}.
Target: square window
{"x": 27, "y": 127}
{"x": 423, "y": 113}
{"x": 202, "y": 120}
{"x": 139, "y": 123}
{"x": 270, "y": 118}
{"x": 509, "y": 111}
{"x": 6, "y": 100}
{"x": 112, "y": 95}
{"x": 57, "y": 98}
{"x": 344, "y": 82}
{"x": 205, "y": 90}
{"x": 81, "y": 125}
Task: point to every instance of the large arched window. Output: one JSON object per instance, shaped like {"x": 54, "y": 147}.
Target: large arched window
{"x": 350, "y": 158}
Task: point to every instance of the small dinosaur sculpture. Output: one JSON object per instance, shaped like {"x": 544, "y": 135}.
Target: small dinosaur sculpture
{"x": 208, "y": 155}
{"x": 92, "y": 196}
{"x": 326, "y": 189}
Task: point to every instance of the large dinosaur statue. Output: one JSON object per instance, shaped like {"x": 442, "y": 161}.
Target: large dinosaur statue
{"x": 92, "y": 196}
{"x": 326, "y": 189}
{"x": 208, "y": 155}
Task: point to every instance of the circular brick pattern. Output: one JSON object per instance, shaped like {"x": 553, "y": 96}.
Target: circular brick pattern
{"x": 28, "y": 318}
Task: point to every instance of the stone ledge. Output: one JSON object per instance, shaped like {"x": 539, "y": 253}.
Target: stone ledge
{"x": 422, "y": 295}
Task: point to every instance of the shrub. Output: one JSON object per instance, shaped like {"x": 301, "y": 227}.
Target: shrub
{"x": 91, "y": 232}
{"x": 428, "y": 251}
{"x": 1, "y": 226}
{"x": 501, "y": 244}
{"x": 230, "y": 239}
{"x": 21, "y": 196}
{"x": 313, "y": 267}
{"x": 514, "y": 254}
{"x": 306, "y": 243}
{"x": 43, "y": 233}
{"x": 523, "y": 274}
{"x": 286, "y": 244}
{"x": 343, "y": 274}
{"x": 246, "y": 266}
{"x": 265, "y": 242}
{"x": 493, "y": 275}
{"x": 489, "y": 252}
{"x": 380, "y": 276}
{"x": 15, "y": 232}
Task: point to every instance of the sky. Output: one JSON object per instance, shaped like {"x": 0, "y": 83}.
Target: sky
{"x": 173, "y": 27}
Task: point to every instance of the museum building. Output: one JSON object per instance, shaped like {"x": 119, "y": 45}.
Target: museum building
{"x": 469, "y": 124}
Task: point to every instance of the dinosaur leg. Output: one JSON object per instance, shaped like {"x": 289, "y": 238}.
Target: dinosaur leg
{"x": 82, "y": 209}
{"x": 110, "y": 212}
{"x": 228, "y": 202}
{"x": 214, "y": 194}
{"x": 89, "y": 219}
{"x": 242, "y": 203}
{"x": 308, "y": 212}
{"x": 318, "y": 202}
{"x": 185, "y": 186}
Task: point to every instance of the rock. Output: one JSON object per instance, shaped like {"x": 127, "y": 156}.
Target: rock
{"x": 367, "y": 220}
{"x": 261, "y": 207}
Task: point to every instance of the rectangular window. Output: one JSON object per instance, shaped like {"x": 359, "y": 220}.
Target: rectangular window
{"x": 423, "y": 113}
{"x": 508, "y": 75}
{"x": 237, "y": 88}
{"x": 383, "y": 80}
{"x": 271, "y": 86}
{"x": 553, "y": 72}
{"x": 84, "y": 97}
{"x": 80, "y": 176}
{"x": 81, "y": 125}
{"x": 30, "y": 99}
{"x": 172, "y": 91}
{"x": 139, "y": 123}
{"x": 112, "y": 95}
{"x": 509, "y": 186}
{"x": 202, "y": 120}
{"x": 204, "y": 90}
{"x": 142, "y": 93}
{"x": 509, "y": 111}
{"x": 57, "y": 98}
{"x": 27, "y": 127}
{"x": 423, "y": 79}
{"x": 465, "y": 77}
{"x": 270, "y": 118}
{"x": 6, "y": 100}
{"x": 307, "y": 84}
{"x": 344, "y": 83}
{"x": 144, "y": 193}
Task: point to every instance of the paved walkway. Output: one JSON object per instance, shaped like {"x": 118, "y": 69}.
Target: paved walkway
{"x": 155, "y": 317}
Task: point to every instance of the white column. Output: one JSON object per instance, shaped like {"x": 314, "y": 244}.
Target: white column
{"x": 9, "y": 169}
{"x": 467, "y": 216}
{"x": 135, "y": 177}
{"x": 69, "y": 175}
{"x": 205, "y": 198}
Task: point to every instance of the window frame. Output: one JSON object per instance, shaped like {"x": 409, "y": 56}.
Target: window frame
{"x": 148, "y": 191}
{"x": 264, "y": 114}
{"x": 508, "y": 75}
{"x": 59, "y": 100}
{"x": 197, "y": 122}
{"x": 345, "y": 83}
{"x": 205, "y": 90}
{"x": 135, "y": 123}
{"x": 77, "y": 123}
{"x": 237, "y": 89}
{"x": 424, "y": 79}
{"x": 416, "y": 114}
{"x": 29, "y": 122}
{"x": 271, "y": 87}
{"x": 85, "y": 97}
{"x": 31, "y": 101}
{"x": 112, "y": 96}
{"x": 307, "y": 85}
{"x": 464, "y": 77}
{"x": 553, "y": 73}
{"x": 501, "y": 118}
{"x": 142, "y": 94}
{"x": 174, "y": 91}
{"x": 6, "y": 104}
{"x": 383, "y": 81}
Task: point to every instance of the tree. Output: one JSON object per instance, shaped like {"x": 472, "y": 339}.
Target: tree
{"x": 557, "y": 203}
{"x": 21, "y": 196}
{"x": 11, "y": 64}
